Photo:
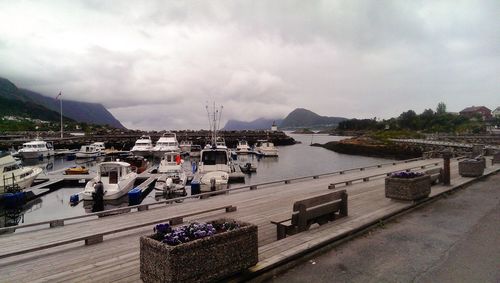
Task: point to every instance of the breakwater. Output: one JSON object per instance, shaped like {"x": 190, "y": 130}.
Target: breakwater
{"x": 368, "y": 147}
{"x": 126, "y": 140}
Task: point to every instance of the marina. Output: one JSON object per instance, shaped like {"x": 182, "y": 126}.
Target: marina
{"x": 60, "y": 253}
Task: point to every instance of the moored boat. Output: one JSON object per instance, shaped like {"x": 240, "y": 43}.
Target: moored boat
{"x": 36, "y": 149}
{"x": 266, "y": 148}
{"x": 173, "y": 179}
{"x": 114, "y": 179}
{"x": 167, "y": 142}
{"x": 143, "y": 146}
{"x": 138, "y": 164}
{"x": 213, "y": 170}
{"x": 242, "y": 147}
{"x": 88, "y": 151}
{"x": 14, "y": 175}
{"x": 99, "y": 145}
{"x": 185, "y": 146}
{"x": 77, "y": 170}
{"x": 195, "y": 151}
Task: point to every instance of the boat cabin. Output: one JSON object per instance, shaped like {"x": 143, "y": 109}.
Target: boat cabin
{"x": 112, "y": 172}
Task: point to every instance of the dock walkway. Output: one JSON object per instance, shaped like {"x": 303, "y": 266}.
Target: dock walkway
{"x": 116, "y": 259}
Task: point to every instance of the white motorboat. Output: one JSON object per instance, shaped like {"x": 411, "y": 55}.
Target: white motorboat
{"x": 242, "y": 147}
{"x": 185, "y": 146}
{"x": 114, "y": 179}
{"x": 99, "y": 145}
{"x": 143, "y": 146}
{"x": 36, "y": 149}
{"x": 266, "y": 148}
{"x": 195, "y": 151}
{"x": 88, "y": 151}
{"x": 172, "y": 181}
{"x": 167, "y": 142}
{"x": 14, "y": 175}
{"x": 213, "y": 170}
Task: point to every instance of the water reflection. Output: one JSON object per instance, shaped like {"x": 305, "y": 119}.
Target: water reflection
{"x": 96, "y": 206}
{"x": 15, "y": 216}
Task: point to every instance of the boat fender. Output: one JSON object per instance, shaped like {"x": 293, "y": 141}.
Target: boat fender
{"x": 74, "y": 199}
{"x": 169, "y": 183}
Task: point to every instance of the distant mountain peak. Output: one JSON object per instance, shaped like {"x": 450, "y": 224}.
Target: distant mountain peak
{"x": 257, "y": 124}
{"x": 301, "y": 117}
{"x": 94, "y": 113}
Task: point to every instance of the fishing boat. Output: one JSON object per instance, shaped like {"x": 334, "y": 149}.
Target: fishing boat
{"x": 36, "y": 149}
{"x": 242, "y": 147}
{"x": 167, "y": 142}
{"x": 172, "y": 180}
{"x": 77, "y": 170}
{"x": 215, "y": 162}
{"x": 213, "y": 170}
{"x": 14, "y": 175}
{"x": 266, "y": 148}
{"x": 114, "y": 179}
{"x": 88, "y": 151}
{"x": 143, "y": 146}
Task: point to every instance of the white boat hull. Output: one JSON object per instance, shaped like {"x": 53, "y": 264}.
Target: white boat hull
{"x": 36, "y": 154}
{"x": 268, "y": 152}
{"x": 109, "y": 193}
{"x": 87, "y": 154}
{"x": 23, "y": 183}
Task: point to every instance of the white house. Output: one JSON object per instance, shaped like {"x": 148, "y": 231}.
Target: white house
{"x": 496, "y": 112}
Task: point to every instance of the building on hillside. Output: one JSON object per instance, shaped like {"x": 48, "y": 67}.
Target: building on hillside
{"x": 474, "y": 111}
{"x": 496, "y": 112}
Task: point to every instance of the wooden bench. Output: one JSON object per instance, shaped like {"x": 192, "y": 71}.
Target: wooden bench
{"x": 319, "y": 209}
{"x": 436, "y": 175}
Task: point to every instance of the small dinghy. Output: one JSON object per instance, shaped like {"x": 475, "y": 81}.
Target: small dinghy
{"x": 76, "y": 170}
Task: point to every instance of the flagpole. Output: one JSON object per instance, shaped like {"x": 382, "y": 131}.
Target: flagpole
{"x": 60, "y": 105}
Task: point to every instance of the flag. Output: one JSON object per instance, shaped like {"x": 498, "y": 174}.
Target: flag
{"x": 57, "y": 97}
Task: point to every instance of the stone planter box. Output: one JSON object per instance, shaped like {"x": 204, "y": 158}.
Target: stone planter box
{"x": 408, "y": 189}
{"x": 471, "y": 168}
{"x": 496, "y": 158}
{"x": 207, "y": 259}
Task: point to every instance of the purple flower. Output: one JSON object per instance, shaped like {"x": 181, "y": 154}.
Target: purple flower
{"x": 407, "y": 175}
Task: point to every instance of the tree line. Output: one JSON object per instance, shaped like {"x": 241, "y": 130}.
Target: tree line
{"x": 429, "y": 121}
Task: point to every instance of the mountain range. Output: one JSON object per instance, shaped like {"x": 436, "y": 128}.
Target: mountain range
{"x": 298, "y": 118}
{"x": 17, "y": 101}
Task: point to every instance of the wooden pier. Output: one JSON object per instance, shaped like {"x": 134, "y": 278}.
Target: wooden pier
{"x": 92, "y": 248}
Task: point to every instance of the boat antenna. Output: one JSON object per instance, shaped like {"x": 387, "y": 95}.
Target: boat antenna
{"x": 214, "y": 118}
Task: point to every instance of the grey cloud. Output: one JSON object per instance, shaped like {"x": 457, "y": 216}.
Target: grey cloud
{"x": 153, "y": 62}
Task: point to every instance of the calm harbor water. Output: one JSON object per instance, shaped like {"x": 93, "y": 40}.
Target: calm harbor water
{"x": 293, "y": 161}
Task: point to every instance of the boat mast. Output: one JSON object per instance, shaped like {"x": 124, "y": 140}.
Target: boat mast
{"x": 214, "y": 121}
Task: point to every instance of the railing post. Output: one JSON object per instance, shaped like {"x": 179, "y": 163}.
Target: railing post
{"x": 446, "y": 171}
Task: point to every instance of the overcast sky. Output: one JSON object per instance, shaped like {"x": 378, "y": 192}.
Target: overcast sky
{"x": 155, "y": 64}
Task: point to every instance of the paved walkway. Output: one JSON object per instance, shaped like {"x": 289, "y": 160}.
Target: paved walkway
{"x": 455, "y": 239}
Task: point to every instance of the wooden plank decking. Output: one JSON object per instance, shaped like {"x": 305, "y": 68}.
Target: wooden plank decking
{"x": 117, "y": 258}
